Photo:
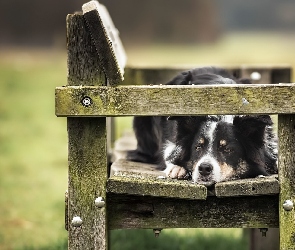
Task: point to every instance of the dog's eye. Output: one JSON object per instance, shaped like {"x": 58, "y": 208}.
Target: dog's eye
{"x": 227, "y": 150}
{"x": 198, "y": 147}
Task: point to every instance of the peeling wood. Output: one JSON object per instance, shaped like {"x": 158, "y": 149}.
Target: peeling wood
{"x": 176, "y": 100}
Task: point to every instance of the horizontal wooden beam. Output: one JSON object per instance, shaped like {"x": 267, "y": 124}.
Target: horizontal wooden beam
{"x": 156, "y": 212}
{"x": 175, "y": 100}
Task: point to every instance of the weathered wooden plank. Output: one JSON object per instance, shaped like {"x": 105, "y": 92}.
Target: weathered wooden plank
{"x": 106, "y": 40}
{"x": 286, "y": 135}
{"x": 87, "y": 178}
{"x": 248, "y": 187}
{"x": 158, "y": 187}
{"x": 87, "y": 147}
{"x": 154, "y": 212}
{"x": 84, "y": 65}
{"x": 142, "y": 176}
{"x": 123, "y": 167}
{"x": 176, "y": 100}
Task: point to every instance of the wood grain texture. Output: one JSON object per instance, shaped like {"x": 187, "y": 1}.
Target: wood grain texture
{"x": 103, "y": 45}
{"x": 286, "y": 131}
{"x": 157, "y": 187}
{"x": 176, "y": 100}
{"x": 87, "y": 180}
{"x": 84, "y": 66}
{"x": 154, "y": 212}
{"x": 137, "y": 178}
{"x": 87, "y": 154}
{"x": 248, "y": 187}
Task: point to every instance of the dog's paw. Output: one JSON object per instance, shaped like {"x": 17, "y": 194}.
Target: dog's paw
{"x": 177, "y": 172}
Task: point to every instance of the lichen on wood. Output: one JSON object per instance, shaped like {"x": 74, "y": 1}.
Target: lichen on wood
{"x": 87, "y": 154}
{"x": 130, "y": 211}
{"x": 158, "y": 187}
{"x": 286, "y": 134}
{"x": 176, "y": 100}
{"x": 254, "y": 186}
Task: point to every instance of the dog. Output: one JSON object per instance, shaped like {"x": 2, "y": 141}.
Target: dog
{"x": 207, "y": 149}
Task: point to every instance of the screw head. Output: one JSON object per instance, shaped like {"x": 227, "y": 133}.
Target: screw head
{"x": 245, "y": 101}
{"x": 99, "y": 202}
{"x": 255, "y": 76}
{"x": 288, "y": 205}
{"x": 86, "y": 101}
{"x": 77, "y": 221}
{"x": 157, "y": 232}
{"x": 263, "y": 231}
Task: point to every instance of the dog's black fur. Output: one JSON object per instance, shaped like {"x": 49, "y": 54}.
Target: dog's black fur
{"x": 208, "y": 149}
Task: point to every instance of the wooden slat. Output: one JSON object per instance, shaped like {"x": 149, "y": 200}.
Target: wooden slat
{"x": 123, "y": 167}
{"x": 137, "y": 178}
{"x": 176, "y": 100}
{"x": 157, "y": 212}
{"x": 156, "y": 187}
{"x": 248, "y": 187}
{"x": 286, "y": 135}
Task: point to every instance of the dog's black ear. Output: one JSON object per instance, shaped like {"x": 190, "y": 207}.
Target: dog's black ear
{"x": 184, "y": 78}
{"x": 253, "y": 127}
{"x": 244, "y": 81}
{"x": 188, "y": 78}
{"x": 187, "y": 124}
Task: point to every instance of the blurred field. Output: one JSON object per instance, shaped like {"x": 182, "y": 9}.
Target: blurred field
{"x": 33, "y": 142}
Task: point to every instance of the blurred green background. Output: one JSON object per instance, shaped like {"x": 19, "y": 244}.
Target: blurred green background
{"x": 33, "y": 142}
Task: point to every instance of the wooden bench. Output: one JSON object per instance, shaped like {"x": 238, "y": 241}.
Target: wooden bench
{"x": 135, "y": 195}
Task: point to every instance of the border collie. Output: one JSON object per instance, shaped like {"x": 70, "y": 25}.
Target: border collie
{"x": 207, "y": 149}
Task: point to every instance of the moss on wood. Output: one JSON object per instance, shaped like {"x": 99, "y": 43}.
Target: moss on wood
{"x": 158, "y": 187}
{"x": 127, "y": 211}
{"x": 176, "y": 100}
{"x": 248, "y": 187}
{"x": 286, "y": 129}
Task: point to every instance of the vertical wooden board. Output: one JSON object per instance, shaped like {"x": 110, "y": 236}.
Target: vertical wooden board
{"x": 87, "y": 145}
{"x": 87, "y": 181}
{"x": 83, "y": 61}
{"x": 286, "y": 133}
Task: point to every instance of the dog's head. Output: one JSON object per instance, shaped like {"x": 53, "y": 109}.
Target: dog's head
{"x": 225, "y": 150}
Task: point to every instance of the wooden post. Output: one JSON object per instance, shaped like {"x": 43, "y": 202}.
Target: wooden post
{"x": 286, "y": 133}
{"x": 87, "y": 146}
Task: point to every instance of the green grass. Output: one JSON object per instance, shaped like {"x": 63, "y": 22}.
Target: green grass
{"x": 179, "y": 239}
{"x": 33, "y": 151}
{"x": 33, "y": 142}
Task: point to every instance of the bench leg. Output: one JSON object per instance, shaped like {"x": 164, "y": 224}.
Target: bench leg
{"x": 286, "y": 134}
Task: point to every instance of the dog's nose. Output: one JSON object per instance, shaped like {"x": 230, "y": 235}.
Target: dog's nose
{"x": 205, "y": 169}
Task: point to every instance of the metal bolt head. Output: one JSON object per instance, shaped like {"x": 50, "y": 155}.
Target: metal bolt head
{"x": 99, "y": 202}
{"x": 245, "y": 101}
{"x": 86, "y": 101}
{"x": 77, "y": 221}
{"x": 255, "y": 76}
{"x": 157, "y": 232}
{"x": 263, "y": 231}
{"x": 288, "y": 205}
